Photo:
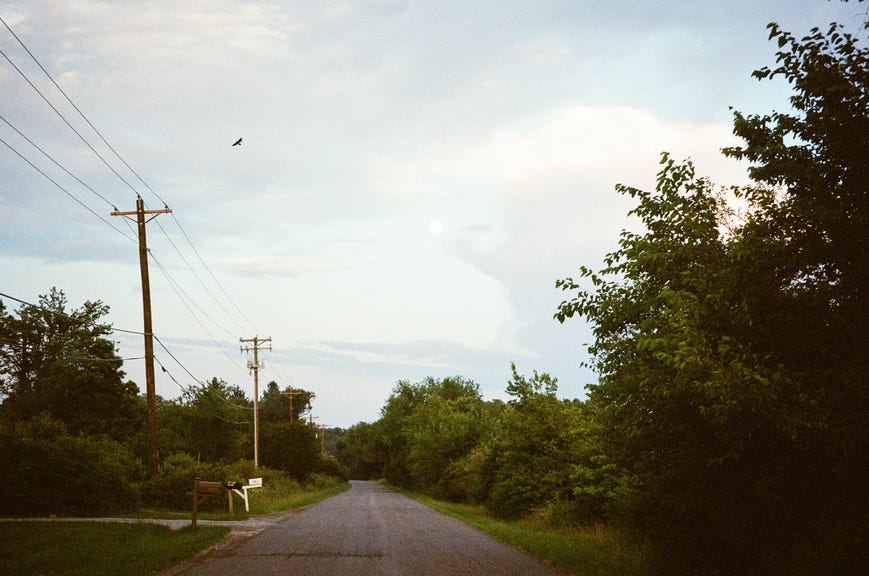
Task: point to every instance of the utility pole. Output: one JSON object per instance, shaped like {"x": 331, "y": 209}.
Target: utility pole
{"x": 140, "y": 214}
{"x": 255, "y": 366}
{"x": 290, "y": 394}
{"x": 323, "y": 440}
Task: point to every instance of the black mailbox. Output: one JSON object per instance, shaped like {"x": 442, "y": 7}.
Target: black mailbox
{"x": 234, "y": 485}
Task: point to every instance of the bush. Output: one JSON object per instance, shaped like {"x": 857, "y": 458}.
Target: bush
{"x": 177, "y": 473}
{"x": 50, "y": 471}
{"x": 331, "y": 467}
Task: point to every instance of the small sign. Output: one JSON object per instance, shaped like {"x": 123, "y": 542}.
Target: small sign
{"x": 255, "y": 482}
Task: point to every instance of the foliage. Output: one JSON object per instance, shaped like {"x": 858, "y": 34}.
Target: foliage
{"x": 274, "y": 406}
{"x": 424, "y": 429}
{"x": 177, "y": 473}
{"x": 213, "y": 420}
{"x": 59, "y": 361}
{"x": 360, "y": 452}
{"x": 329, "y": 466}
{"x": 535, "y": 448}
{"x": 289, "y": 446}
{"x": 732, "y": 355}
{"x": 50, "y": 471}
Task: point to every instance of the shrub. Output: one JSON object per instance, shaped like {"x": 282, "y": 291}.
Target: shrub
{"x": 331, "y": 467}
{"x": 50, "y": 471}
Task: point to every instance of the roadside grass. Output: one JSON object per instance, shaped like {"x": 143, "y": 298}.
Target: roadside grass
{"x": 73, "y": 548}
{"x": 85, "y": 548}
{"x": 583, "y": 551}
{"x": 269, "y": 498}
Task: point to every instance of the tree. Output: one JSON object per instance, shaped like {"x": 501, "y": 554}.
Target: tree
{"x": 359, "y": 451}
{"x": 732, "y": 356}
{"x": 534, "y": 448}
{"x": 274, "y": 406}
{"x": 290, "y": 446}
{"x": 60, "y": 362}
{"x": 217, "y": 421}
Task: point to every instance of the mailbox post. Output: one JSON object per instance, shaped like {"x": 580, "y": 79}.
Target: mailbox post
{"x": 201, "y": 490}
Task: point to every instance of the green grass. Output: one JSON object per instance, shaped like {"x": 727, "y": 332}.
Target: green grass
{"x": 584, "y": 551}
{"x": 85, "y": 548}
{"x": 262, "y": 501}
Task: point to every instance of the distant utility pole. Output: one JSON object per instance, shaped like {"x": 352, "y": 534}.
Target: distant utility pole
{"x": 323, "y": 440}
{"x": 255, "y": 366}
{"x": 290, "y": 394}
{"x": 140, "y": 214}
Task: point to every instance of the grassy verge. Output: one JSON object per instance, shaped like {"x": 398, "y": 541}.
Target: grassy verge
{"x": 269, "y": 498}
{"x": 585, "y": 551}
{"x": 85, "y": 548}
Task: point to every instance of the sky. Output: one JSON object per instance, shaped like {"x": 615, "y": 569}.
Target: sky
{"x": 413, "y": 177}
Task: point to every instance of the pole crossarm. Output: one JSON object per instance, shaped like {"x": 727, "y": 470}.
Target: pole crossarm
{"x": 290, "y": 394}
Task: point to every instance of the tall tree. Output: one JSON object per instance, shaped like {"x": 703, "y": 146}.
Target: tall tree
{"x": 60, "y": 362}
{"x": 733, "y": 359}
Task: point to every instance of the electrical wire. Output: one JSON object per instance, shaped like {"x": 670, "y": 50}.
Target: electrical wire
{"x": 65, "y": 121}
{"x": 113, "y": 329}
{"x": 136, "y": 174}
{"x": 67, "y": 192}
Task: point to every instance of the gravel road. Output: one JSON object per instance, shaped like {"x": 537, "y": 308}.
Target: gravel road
{"x": 372, "y": 531}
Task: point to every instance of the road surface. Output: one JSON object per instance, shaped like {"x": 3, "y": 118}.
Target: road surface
{"x": 371, "y": 531}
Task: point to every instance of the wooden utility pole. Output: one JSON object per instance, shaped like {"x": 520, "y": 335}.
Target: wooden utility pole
{"x": 140, "y": 214}
{"x": 255, "y": 366}
{"x": 290, "y": 394}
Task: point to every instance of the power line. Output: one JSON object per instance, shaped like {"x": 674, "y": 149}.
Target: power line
{"x": 130, "y": 168}
{"x": 137, "y": 332}
{"x": 65, "y": 121}
{"x": 56, "y": 163}
{"x": 67, "y": 192}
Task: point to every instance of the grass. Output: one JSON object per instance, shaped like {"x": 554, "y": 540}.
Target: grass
{"x": 262, "y": 501}
{"x": 85, "y": 548}
{"x": 586, "y": 551}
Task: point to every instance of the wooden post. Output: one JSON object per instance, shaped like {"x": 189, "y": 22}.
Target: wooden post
{"x": 195, "y": 505}
{"x": 229, "y": 497}
{"x": 151, "y": 394}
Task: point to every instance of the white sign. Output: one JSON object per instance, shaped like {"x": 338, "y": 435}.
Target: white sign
{"x": 252, "y": 482}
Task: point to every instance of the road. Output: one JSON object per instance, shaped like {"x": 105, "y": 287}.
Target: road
{"x": 372, "y": 531}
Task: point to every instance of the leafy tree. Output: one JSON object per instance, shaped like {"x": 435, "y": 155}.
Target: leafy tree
{"x": 289, "y": 446}
{"x": 275, "y": 407}
{"x": 211, "y": 421}
{"x": 534, "y": 451}
{"x": 732, "y": 355}
{"x": 360, "y": 452}
{"x": 60, "y": 362}
{"x": 446, "y": 426}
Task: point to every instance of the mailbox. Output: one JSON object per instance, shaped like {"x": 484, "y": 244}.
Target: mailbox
{"x": 234, "y": 485}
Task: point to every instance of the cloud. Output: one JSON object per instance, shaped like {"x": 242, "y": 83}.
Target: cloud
{"x": 269, "y": 266}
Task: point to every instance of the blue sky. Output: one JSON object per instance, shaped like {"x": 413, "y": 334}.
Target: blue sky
{"x": 413, "y": 179}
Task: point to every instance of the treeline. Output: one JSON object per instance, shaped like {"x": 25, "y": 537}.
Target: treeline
{"x": 728, "y": 426}
{"x": 73, "y": 432}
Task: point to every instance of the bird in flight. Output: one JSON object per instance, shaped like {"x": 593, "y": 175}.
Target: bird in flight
{"x": 237, "y": 142}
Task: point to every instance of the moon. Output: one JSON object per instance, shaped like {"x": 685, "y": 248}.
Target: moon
{"x": 436, "y": 226}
